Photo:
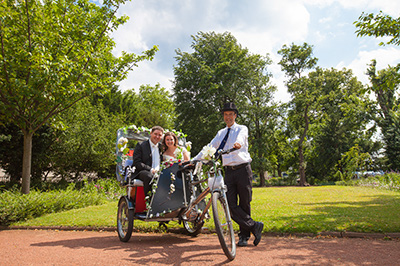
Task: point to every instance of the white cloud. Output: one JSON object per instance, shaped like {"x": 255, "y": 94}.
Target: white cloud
{"x": 262, "y": 26}
{"x": 384, "y": 57}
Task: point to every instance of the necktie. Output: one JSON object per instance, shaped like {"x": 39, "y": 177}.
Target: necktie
{"x": 223, "y": 142}
{"x": 155, "y": 157}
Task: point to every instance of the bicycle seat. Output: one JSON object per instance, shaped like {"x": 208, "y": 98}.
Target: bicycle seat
{"x": 136, "y": 183}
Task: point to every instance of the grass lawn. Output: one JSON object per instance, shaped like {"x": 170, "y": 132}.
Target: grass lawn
{"x": 282, "y": 209}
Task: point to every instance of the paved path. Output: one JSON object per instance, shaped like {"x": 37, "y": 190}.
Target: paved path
{"x": 52, "y": 247}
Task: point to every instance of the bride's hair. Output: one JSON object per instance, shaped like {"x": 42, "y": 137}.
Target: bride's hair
{"x": 165, "y": 136}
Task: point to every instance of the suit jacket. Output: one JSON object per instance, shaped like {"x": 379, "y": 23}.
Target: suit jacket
{"x": 142, "y": 158}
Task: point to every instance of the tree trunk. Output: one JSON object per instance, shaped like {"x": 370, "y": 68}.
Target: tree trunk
{"x": 262, "y": 179}
{"x": 302, "y": 163}
{"x": 26, "y": 162}
{"x": 302, "y": 168}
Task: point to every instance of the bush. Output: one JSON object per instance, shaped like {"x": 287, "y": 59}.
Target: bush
{"x": 18, "y": 207}
{"x": 390, "y": 181}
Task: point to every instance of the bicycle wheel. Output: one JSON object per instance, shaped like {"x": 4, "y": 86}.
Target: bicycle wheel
{"x": 223, "y": 224}
{"x": 192, "y": 226}
{"x": 124, "y": 220}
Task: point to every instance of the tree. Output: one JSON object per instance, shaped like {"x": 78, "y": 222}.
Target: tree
{"x": 295, "y": 61}
{"x": 155, "y": 107}
{"x": 219, "y": 70}
{"x": 152, "y": 105}
{"x": 87, "y": 144}
{"x": 340, "y": 120}
{"x": 53, "y": 54}
{"x": 204, "y": 81}
{"x": 385, "y": 83}
{"x": 259, "y": 114}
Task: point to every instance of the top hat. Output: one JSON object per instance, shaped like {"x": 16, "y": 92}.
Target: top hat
{"x": 230, "y": 107}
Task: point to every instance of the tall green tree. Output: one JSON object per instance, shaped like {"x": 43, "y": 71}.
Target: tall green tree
{"x": 217, "y": 71}
{"x": 155, "y": 107}
{"x": 52, "y": 55}
{"x": 259, "y": 113}
{"x": 296, "y": 60}
{"x": 341, "y": 120}
{"x": 204, "y": 80}
{"x": 385, "y": 83}
{"x": 385, "y": 86}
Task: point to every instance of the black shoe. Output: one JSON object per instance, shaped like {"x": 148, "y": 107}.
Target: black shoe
{"x": 257, "y": 232}
{"x": 242, "y": 241}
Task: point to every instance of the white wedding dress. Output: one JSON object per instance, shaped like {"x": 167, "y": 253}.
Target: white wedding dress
{"x": 168, "y": 158}
{"x": 172, "y": 158}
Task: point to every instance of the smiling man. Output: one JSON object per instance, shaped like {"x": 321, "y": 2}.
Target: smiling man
{"x": 147, "y": 158}
{"x": 238, "y": 174}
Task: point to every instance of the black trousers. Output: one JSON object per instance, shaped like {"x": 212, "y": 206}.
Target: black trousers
{"x": 146, "y": 177}
{"x": 239, "y": 184}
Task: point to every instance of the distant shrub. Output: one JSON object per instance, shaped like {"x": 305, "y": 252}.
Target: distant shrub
{"x": 15, "y": 206}
{"x": 390, "y": 181}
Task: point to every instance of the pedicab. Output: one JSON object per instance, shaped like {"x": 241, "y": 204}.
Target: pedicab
{"x": 181, "y": 191}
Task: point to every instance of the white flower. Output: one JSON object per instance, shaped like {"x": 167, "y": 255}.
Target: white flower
{"x": 188, "y": 146}
{"x": 172, "y": 177}
{"x": 123, "y": 141}
{"x": 122, "y": 144}
{"x": 171, "y": 188}
{"x": 208, "y": 152}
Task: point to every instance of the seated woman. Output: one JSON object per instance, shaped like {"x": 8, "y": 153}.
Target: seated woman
{"x": 172, "y": 151}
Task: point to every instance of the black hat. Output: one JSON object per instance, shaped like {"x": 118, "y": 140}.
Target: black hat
{"x": 230, "y": 107}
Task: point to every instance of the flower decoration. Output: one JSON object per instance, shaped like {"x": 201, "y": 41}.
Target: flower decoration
{"x": 178, "y": 153}
{"x": 188, "y": 146}
{"x": 208, "y": 152}
{"x": 172, "y": 186}
{"x": 122, "y": 144}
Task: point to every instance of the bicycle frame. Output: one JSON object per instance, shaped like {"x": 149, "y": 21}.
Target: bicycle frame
{"x": 212, "y": 187}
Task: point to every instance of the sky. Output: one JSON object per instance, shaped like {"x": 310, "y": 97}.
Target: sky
{"x": 261, "y": 26}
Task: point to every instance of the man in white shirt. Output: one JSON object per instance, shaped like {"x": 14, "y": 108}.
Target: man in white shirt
{"x": 238, "y": 174}
{"x": 147, "y": 158}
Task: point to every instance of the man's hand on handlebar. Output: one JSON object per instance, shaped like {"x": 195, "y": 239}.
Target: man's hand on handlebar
{"x": 237, "y": 146}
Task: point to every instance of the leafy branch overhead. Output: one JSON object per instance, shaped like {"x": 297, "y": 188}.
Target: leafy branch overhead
{"x": 52, "y": 55}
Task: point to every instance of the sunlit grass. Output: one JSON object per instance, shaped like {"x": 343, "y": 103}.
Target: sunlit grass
{"x": 282, "y": 209}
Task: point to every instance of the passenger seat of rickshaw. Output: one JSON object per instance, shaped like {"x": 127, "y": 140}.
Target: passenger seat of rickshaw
{"x": 139, "y": 192}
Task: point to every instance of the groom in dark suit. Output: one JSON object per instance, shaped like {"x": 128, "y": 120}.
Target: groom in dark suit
{"x": 147, "y": 158}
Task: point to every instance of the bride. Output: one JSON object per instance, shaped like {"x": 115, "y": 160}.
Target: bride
{"x": 171, "y": 149}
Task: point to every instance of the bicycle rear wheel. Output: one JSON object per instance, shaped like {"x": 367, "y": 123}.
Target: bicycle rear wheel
{"x": 223, "y": 224}
{"x": 124, "y": 220}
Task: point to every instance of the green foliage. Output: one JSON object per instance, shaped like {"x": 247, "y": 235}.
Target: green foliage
{"x": 87, "y": 145}
{"x": 11, "y": 152}
{"x": 280, "y": 181}
{"x": 385, "y": 83}
{"x": 351, "y": 162}
{"x": 152, "y": 105}
{"x": 340, "y": 120}
{"x": 386, "y": 112}
{"x": 379, "y": 25}
{"x": 53, "y": 54}
{"x": 218, "y": 71}
{"x": 389, "y": 181}
{"x": 295, "y": 61}
{"x": 19, "y": 207}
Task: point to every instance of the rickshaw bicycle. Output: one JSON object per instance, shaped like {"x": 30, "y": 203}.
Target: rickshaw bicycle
{"x": 188, "y": 203}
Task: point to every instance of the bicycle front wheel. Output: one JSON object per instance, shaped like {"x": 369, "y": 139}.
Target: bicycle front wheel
{"x": 223, "y": 224}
